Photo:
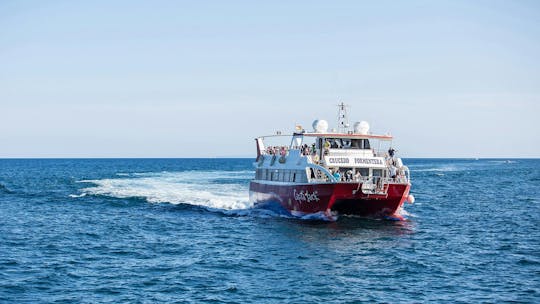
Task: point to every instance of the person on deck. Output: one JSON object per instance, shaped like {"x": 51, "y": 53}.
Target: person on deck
{"x": 337, "y": 176}
{"x": 326, "y": 147}
{"x": 392, "y": 171}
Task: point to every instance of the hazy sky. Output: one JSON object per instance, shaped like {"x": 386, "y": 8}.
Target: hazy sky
{"x": 203, "y": 78}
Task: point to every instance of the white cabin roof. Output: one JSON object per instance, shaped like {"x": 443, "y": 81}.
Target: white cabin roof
{"x": 347, "y": 135}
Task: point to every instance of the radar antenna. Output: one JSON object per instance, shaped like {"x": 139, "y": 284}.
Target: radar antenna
{"x": 343, "y": 118}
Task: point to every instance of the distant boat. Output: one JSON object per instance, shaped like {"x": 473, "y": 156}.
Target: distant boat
{"x": 341, "y": 172}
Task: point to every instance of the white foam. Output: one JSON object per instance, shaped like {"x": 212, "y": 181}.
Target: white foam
{"x": 320, "y": 216}
{"x": 405, "y": 213}
{"x": 200, "y": 188}
{"x": 440, "y": 169}
{"x": 503, "y": 161}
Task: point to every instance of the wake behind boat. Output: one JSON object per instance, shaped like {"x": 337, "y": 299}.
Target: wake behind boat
{"x": 328, "y": 173}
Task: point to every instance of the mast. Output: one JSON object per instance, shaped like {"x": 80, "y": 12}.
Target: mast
{"x": 343, "y": 118}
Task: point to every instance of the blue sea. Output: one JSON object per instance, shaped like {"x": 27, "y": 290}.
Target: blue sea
{"x": 183, "y": 231}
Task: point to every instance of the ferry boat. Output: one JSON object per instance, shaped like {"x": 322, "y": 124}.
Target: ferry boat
{"x": 326, "y": 173}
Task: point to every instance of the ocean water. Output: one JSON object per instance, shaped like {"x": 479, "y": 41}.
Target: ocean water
{"x": 183, "y": 231}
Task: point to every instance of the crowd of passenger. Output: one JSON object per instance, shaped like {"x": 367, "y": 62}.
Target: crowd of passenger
{"x": 334, "y": 143}
{"x": 347, "y": 175}
{"x": 283, "y": 150}
{"x": 277, "y": 150}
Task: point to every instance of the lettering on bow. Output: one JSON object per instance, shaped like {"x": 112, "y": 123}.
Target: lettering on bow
{"x": 305, "y": 196}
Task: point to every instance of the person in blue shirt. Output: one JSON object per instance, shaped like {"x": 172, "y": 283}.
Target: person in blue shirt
{"x": 337, "y": 175}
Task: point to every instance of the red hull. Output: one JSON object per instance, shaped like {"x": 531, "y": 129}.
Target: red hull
{"x": 302, "y": 199}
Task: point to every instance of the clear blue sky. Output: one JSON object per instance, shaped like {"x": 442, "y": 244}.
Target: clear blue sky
{"x": 203, "y": 78}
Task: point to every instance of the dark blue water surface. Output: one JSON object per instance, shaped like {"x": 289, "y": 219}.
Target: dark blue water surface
{"x": 182, "y": 230}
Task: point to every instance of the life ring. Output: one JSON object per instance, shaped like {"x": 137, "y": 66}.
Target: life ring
{"x": 282, "y": 159}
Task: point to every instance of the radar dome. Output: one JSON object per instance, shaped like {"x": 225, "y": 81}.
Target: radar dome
{"x": 361, "y": 127}
{"x": 320, "y": 126}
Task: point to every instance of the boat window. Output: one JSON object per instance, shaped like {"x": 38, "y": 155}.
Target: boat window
{"x": 364, "y": 171}
{"x": 304, "y": 177}
{"x": 321, "y": 175}
{"x": 287, "y": 176}
{"x": 365, "y": 144}
{"x": 377, "y": 172}
{"x": 356, "y": 143}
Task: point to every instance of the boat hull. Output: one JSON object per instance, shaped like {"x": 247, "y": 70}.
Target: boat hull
{"x": 328, "y": 198}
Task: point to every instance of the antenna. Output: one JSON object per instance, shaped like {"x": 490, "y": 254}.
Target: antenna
{"x": 343, "y": 118}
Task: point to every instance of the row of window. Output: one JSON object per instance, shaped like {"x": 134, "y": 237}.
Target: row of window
{"x": 300, "y": 176}
{"x": 345, "y": 143}
{"x": 293, "y": 176}
{"x": 364, "y": 172}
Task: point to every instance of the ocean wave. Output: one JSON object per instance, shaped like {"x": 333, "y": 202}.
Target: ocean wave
{"x": 5, "y": 189}
{"x": 440, "y": 169}
{"x": 191, "y": 187}
{"x": 502, "y": 161}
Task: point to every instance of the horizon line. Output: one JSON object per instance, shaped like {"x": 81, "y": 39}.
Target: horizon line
{"x": 243, "y": 157}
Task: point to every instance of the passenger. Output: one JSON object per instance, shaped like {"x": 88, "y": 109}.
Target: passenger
{"x": 349, "y": 175}
{"x": 401, "y": 175}
{"x": 392, "y": 171}
{"x": 326, "y": 147}
{"x": 357, "y": 176}
{"x": 379, "y": 183}
{"x": 337, "y": 175}
{"x": 391, "y": 152}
